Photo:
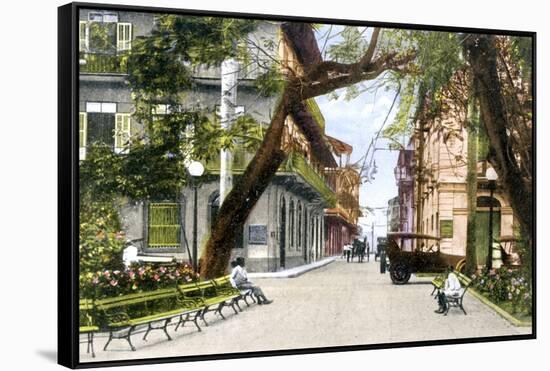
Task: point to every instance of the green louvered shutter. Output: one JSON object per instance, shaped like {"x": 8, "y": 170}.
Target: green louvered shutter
{"x": 164, "y": 225}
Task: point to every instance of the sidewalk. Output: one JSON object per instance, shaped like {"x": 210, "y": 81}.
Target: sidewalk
{"x": 294, "y": 272}
{"x": 314, "y": 311}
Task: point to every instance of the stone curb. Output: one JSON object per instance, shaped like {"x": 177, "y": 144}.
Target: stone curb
{"x": 501, "y": 312}
{"x": 294, "y": 272}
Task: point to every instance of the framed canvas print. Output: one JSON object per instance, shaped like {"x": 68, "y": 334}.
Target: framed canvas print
{"x": 242, "y": 185}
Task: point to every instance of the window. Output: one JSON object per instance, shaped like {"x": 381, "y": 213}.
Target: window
{"x": 124, "y": 36}
{"x": 82, "y": 128}
{"x": 164, "y": 225}
{"x": 122, "y": 132}
{"x": 299, "y": 242}
{"x": 101, "y": 107}
{"x": 83, "y": 36}
{"x": 292, "y": 226}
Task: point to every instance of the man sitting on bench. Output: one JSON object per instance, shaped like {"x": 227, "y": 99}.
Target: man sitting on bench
{"x": 452, "y": 288}
{"x": 239, "y": 280}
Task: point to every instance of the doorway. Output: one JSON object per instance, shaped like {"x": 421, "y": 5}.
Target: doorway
{"x": 282, "y": 233}
{"x": 482, "y": 226}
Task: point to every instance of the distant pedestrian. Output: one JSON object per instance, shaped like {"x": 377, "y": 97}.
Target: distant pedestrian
{"x": 239, "y": 280}
{"x": 347, "y": 249}
{"x": 359, "y": 249}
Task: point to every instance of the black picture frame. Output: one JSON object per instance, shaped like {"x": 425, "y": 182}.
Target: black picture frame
{"x": 68, "y": 183}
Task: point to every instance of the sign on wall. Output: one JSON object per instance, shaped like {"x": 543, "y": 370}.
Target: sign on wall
{"x": 257, "y": 234}
{"x": 446, "y": 228}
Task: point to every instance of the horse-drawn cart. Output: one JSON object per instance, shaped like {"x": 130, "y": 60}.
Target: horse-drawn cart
{"x": 416, "y": 253}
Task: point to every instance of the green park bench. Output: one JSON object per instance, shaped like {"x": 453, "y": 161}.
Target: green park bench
{"x": 216, "y": 296}
{"x": 121, "y": 315}
{"x": 224, "y": 284}
{"x": 87, "y": 327}
{"x": 147, "y": 308}
{"x": 453, "y": 300}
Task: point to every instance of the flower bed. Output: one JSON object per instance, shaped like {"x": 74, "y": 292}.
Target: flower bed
{"x": 510, "y": 289}
{"x": 138, "y": 278}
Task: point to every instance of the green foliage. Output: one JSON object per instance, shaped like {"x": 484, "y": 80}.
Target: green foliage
{"x": 522, "y": 54}
{"x": 401, "y": 125}
{"x": 105, "y": 283}
{"x": 99, "y": 174}
{"x": 438, "y": 57}
{"x": 351, "y": 48}
{"x": 506, "y": 285}
{"x": 270, "y": 83}
{"x": 102, "y": 37}
{"x": 101, "y": 241}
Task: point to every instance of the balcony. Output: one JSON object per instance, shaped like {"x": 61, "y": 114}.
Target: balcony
{"x": 241, "y": 158}
{"x": 96, "y": 63}
{"x": 296, "y": 163}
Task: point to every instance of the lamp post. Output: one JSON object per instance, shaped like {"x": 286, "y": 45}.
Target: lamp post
{"x": 492, "y": 177}
{"x": 195, "y": 169}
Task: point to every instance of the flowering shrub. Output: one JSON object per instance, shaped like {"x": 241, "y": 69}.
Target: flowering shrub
{"x": 506, "y": 285}
{"x": 138, "y": 278}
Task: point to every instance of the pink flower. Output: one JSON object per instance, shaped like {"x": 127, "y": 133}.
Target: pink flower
{"x": 162, "y": 269}
{"x": 95, "y": 281}
{"x": 156, "y": 277}
{"x": 107, "y": 274}
{"x": 131, "y": 274}
{"x": 117, "y": 272}
{"x": 113, "y": 283}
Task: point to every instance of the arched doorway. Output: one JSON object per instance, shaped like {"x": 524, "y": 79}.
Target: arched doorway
{"x": 282, "y": 233}
{"x": 482, "y": 226}
{"x": 306, "y": 237}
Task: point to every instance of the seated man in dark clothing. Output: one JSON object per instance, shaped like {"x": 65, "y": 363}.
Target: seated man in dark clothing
{"x": 239, "y": 280}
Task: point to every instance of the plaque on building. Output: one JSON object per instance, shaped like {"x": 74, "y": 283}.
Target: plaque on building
{"x": 446, "y": 228}
{"x": 257, "y": 234}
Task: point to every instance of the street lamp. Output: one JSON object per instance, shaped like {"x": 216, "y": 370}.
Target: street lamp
{"x": 492, "y": 177}
{"x": 195, "y": 169}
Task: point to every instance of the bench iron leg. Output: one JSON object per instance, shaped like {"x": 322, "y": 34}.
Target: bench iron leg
{"x": 195, "y": 321}
{"x": 219, "y": 310}
{"x": 149, "y": 328}
{"x": 165, "y": 328}
{"x": 204, "y": 311}
{"x": 108, "y": 341}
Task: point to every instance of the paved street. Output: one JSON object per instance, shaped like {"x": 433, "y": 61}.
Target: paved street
{"x": 339, "y": 304}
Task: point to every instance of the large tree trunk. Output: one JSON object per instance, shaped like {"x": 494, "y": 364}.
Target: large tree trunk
{"x": 471, "y": 187}
{"x": 239, "y": 202}
{"x": 319, "y": 78}
{"x": 483, "y": 63}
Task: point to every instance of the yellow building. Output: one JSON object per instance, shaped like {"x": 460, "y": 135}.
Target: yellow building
{"x": 440, "y": 190}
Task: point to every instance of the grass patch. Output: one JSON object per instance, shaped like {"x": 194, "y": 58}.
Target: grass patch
{"x": 421, "y": 275}
{"x": 505, "y": 309}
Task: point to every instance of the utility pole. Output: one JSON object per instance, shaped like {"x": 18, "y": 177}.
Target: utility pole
{"x": 420, "y": 158}
{"x": 229, "y": 79}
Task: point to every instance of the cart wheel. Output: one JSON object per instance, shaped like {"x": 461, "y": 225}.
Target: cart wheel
{"x": 400, "y": 273}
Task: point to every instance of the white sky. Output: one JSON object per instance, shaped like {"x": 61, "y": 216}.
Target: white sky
{"x": 356, "y": 122}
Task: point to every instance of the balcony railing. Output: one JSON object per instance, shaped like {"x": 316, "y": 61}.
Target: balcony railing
{"x": 296, "y": 163}
{"x": 241, "y": 158}
{"x": 103, "y": 63}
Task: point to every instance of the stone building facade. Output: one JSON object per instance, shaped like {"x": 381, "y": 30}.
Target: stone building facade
{"x": 286, "y": 227}
{"x": 440, "y": 187}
